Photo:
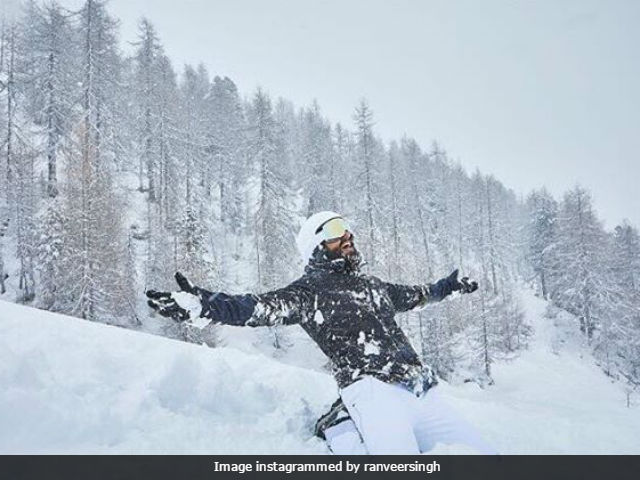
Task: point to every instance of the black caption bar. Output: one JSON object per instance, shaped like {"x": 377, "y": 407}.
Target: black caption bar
{"x": 121, "y": 467}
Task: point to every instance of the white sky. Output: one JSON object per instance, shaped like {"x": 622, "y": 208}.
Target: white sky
{"x": 535, "y": 92}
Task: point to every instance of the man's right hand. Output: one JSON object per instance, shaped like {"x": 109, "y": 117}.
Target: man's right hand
{"x": 181, "y": 306}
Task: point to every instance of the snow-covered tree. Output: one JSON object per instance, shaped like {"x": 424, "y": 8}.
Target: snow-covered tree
{"x": 25, "y": 208}
{"x": 96, "y": 285}
{"x": 49, "y": 254}
{"x": 49, "y": 63}
{"x": 318, "y": 161}
{"x": 543, "y": 213}
{"x": 366, "y": 182}
{"x": 420, "y": 209}
{"x": 3, "y": 275}
{"x": 227, "y": 146}
{"x": 193, "y": 257}
{"x": 272, "y": 221}
{"x": 9, "y": 91}
{"x": 583, "y": 283}
{"x": 618, "y": 342}
{"x": 147, "y": 73}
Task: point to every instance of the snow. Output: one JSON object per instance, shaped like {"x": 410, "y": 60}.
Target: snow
{"x": 551, "y": 399}
{"x": 191, "y": 303}
{"x": 71, "y": 386}
{"x": 370, "y": 348}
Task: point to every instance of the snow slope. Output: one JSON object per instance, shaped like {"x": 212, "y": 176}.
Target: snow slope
{"x": 70, "y": 386}
{"x": 553, "y": 399}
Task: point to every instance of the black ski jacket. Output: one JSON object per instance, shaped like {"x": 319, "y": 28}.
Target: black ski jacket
{"x": 348, "y": 314}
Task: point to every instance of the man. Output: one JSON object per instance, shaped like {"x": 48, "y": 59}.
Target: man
{"x": 387, "y": 404}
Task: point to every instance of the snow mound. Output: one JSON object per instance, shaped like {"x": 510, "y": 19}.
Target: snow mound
{"x": 71, "y": 386}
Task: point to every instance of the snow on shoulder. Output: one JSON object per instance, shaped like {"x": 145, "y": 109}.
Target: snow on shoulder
{"x": 71, "y": 386}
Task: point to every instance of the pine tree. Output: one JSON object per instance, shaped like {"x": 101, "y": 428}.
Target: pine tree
{"x": 49, "y": 252}
{"x": 10, "y": 127}
{"x": 147, "y": 72}
{"x": 20, "y": 154}
{"x": 343, "y": 153}
{"x": 194, "y": 89}
{"x": 618, "y": 345}
{"x": 394, "y": 265}
{"x": 318, "y": 161}
{"x": 228, "y": 173}
{"x": 583, "y": 284}
{"x": 227, "y": 144}
{"x": 366, "y": 156}
{"x": 422, "y": 204}
{"x": 170, "y": 169}
{"x": 49, "y": 62}
{"x": 272, "y": 221}
{"x": 4, "y": 214}
{"x": 194, "y": 259}
{"x": 3, "y": 275}
{"x": 96, "y": 285}
{"x": 626, "y": 257}
{"x": 438, "y": 184}
{"x": 543, "y": 212}
{"x": 25, "y": 209}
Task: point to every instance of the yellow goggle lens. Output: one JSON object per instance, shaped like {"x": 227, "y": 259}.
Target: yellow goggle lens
{"x": 334, "y": 228}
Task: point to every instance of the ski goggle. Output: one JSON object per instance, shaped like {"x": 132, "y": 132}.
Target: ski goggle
{"x": 333, "y": 229}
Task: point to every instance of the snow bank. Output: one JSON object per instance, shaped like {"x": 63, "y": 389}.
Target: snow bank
{"x": 70, "y": 386}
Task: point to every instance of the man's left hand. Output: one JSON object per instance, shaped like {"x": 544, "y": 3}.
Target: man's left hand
{"x": 446, "y": 286}
{"x": 467, "y": 286}
{"x": 463, "y": 285}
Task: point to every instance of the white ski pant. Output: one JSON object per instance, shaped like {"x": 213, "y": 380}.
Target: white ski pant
{"x": 390, "y": 420}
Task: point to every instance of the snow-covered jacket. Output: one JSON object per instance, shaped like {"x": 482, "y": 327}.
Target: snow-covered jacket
{"x": 348, "y": 314}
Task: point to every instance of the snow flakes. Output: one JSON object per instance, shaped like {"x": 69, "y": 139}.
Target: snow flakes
{"x": 259, "y": 310}
{"x": 359, "y": 295}
{"x": 284, "y": 309}
{"x": 387, "y": 368}
{"x": 376, "y": 297}
{"x": 370, "y": 348}
{"x": 318, "y": 317}
{"x": 190, "y": 303}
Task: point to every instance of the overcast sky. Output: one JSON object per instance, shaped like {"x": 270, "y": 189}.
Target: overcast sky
{"x": 534, "y": 92}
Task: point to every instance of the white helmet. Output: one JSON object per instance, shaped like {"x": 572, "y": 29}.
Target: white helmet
{"x": 311, "y": 234}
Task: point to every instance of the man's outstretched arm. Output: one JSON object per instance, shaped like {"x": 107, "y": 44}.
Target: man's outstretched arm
{"x": 408, "y": 297}
{"x": 287, "y": 305}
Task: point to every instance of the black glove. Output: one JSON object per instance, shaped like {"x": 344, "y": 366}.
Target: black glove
{"x": 199, "y": 307}
{"x": 177, "y": 305}
{"x": 466, "y": 286}
{"x": 450, "y": 284}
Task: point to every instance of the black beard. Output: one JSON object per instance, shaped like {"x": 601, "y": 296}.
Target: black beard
{"x": 339, "y": 253}
{"x": 353, "y": 259}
